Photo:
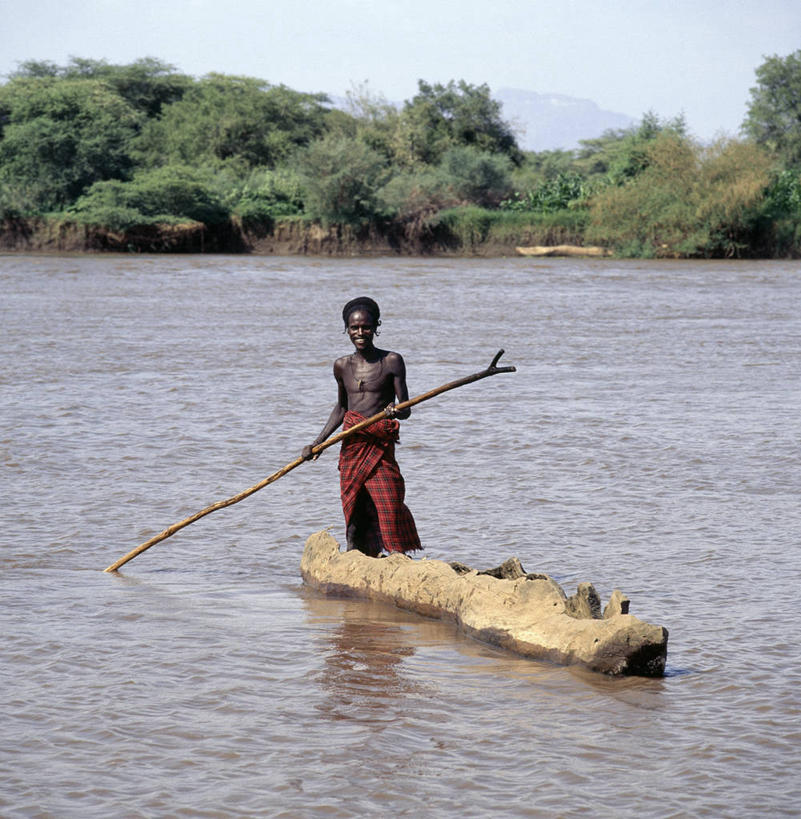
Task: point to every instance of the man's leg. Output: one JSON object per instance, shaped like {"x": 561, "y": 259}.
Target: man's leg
{"x": 363, "y": 532}
{"x": 394, "y": 520}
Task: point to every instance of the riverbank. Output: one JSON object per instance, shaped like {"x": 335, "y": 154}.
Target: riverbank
{"x": 291, "y": 237}
{"x": 466, "y": 233}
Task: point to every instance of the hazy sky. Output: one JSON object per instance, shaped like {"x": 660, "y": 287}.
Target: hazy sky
{"x": 669, "y": 56}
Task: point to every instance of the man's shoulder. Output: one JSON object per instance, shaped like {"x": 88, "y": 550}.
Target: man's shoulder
{"x": 341, "y": 363}
{"x": 393, "y": 360}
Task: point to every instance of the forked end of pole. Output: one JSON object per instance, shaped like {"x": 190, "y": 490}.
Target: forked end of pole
{"x": 493, "y": 367}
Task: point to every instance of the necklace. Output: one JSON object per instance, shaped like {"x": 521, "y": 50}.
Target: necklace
{"x": 360, "y": 381}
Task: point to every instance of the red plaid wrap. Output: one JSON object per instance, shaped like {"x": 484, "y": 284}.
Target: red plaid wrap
{"x": 367, "y": 464}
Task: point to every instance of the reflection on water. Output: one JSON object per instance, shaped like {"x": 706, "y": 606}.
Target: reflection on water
{"x": 648, "y": 441}
{"x": 363, "y": 661}
{"x": 368, "y": 651}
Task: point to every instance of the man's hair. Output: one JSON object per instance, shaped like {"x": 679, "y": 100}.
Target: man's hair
{"x": 362, "y": 303}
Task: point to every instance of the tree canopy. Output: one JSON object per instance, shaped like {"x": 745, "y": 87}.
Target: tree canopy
{"x": 61, "y": 135}
{"x": 127, "y": 145}
{"x": 147, "y": 84}
{"x": 440, "y": 117}
{"x": 224, "y": 117}
{"x": 773, "y": 119}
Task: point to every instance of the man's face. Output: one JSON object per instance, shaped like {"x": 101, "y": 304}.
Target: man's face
{"x": 361, "y": 329}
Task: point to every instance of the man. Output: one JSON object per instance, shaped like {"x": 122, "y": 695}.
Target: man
{"x": 372, "y": 487}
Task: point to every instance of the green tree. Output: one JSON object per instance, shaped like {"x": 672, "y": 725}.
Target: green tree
{"x": 37, "y": 68}
{"x": 342, "y": 178}
{"x": 773, "y": 119}
{"x": 374, "y": 120}
{"x": 621, "y": 154}
{"x": 147, "y": 84}
{"x": 233, "y": 118}
{"x": 61, "y": 135}
{"x": 440, "y": 117}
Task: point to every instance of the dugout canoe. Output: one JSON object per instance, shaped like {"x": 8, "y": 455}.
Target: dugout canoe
{"x": 563, "y": 250}
{"x": 526, "y": 613}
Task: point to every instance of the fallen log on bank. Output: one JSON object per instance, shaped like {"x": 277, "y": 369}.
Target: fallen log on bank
{"x": 563, "y": 250}
{"x": 528, "y": 614}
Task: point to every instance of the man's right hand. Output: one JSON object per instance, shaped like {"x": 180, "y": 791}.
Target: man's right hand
{"x": 306, "y": 453}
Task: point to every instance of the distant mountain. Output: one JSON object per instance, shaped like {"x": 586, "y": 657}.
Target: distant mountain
{"x": 549, "y": 121}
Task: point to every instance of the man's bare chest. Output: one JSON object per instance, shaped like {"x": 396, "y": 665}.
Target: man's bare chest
{"x": 367, "y": 376}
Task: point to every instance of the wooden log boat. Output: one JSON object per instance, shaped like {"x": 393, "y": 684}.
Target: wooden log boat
{"x": 563, "y": 250}
{"x": 528, "y": 614}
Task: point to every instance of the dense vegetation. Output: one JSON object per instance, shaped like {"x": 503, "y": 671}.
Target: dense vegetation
{"x": 127, "y": 146}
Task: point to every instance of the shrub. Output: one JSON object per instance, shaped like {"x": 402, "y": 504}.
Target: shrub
{"x": 18, "y": 200}
{"x": 687, "y": 201}
{"x": 470, "y": 226}
{"x": 730, "y": 194}
{"x": 267, "y": 195}
{"x": 342, "y": 178}
{"x": 410, "y": 196}
{"x": 653, "y": 214}
{"x": 780, "y": 226}
{"x": 476, "y": 176}
{"x": 783, "y": 196}
{"x": 550, "y": 196}
{"x": 168, "y": 194}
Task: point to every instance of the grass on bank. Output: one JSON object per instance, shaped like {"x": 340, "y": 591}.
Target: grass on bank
{"x": 468, "y": 228}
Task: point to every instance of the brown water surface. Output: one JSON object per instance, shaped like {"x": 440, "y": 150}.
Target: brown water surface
{"x": 649, "y": 441}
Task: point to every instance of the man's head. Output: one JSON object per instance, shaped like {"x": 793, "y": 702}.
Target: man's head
{"x": 364, "y": 303}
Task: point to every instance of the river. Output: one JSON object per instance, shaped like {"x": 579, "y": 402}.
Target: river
{"x": 649, "y": 441}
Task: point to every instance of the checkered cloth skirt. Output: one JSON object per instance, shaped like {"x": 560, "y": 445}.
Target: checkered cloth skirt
{"x": 367, "y": 465}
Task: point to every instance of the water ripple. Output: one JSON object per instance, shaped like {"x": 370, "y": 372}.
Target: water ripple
{"x": 648, "y": 442}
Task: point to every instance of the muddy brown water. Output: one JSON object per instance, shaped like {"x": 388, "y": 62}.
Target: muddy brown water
{"x": 649, "y": 441}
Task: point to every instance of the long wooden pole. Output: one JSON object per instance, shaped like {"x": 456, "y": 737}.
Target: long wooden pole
{"x": 493, "y": 369}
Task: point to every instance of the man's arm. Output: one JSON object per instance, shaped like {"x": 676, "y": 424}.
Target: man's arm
{"x": 398, "y": 370}
{"x": 336, "y": 417}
